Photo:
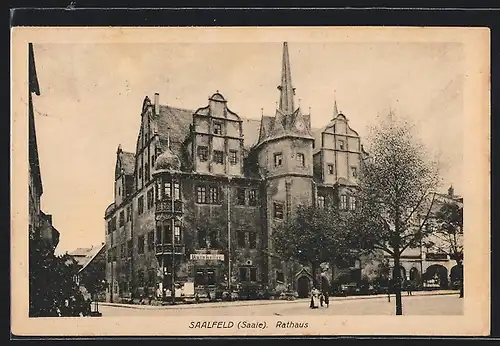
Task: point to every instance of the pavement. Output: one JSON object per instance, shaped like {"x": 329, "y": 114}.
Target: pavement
{"x": 261, "y": 303}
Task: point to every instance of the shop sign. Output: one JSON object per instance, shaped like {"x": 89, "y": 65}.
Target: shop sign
{"x": 207, "y": 257}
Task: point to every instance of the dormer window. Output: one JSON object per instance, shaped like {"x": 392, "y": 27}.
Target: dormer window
{"x": 217, "y": 128}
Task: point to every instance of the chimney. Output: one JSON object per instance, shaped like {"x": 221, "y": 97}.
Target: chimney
{"x": 157, "y": 103}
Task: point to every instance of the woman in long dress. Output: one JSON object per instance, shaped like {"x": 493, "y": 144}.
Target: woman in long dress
{"x": 314, "y": 298}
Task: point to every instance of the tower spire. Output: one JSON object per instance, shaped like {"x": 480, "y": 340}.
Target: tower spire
{"x": 335, "y": 109}
{"x": 287, "y": 91}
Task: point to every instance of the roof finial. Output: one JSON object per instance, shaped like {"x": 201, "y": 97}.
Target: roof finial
{"x": 262, "y": 111}
{"x": 286, "y": 88}
{"x": 335, "y": 109}
{"x": 309, "y": 110}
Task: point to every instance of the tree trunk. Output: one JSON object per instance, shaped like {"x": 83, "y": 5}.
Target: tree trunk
{"x": 314, "y": 269}
{"x": 397, "y": 283}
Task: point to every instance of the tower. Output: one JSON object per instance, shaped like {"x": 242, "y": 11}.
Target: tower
{"x": 284, "y": 154}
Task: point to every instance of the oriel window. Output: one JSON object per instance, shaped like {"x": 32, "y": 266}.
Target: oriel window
{"x": 158, "y": 191}
{"x": 177, "y": 233}
{"x": 167, "y": 190}
{"x": 167, "y": 234}
{"x": 177, "y": 191}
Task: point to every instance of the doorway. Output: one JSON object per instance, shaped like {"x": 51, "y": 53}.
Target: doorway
{"x": 303, "y": 287}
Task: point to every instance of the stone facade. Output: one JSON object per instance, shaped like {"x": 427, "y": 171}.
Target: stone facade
{"x": 215, "y": 184}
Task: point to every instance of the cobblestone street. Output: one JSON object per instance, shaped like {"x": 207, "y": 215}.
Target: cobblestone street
{"x": 412, "y": 305}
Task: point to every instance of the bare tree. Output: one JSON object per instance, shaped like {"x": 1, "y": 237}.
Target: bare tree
{"x": 396, "y": 183}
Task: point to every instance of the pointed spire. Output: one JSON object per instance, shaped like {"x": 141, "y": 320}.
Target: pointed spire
{"x": 287, "y": 91}
{"x": 335, "y": 109}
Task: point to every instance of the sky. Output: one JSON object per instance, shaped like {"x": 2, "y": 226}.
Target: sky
{"x": 92, "y": 94}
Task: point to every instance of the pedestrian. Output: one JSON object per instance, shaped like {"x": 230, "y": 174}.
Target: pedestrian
{"x": 409, "y": 287}
{"x": 314, "y": 298}
{"x": 325, "y": 290}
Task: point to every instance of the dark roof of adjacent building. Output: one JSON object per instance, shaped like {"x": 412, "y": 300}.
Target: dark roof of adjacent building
{"x": 84, "y": 256}
{"x": 128, "y": 162}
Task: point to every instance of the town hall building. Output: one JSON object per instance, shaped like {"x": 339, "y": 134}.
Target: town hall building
{"x": 198, "y": 199}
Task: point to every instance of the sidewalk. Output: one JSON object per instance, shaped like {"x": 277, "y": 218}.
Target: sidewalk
{"x": 268, "y": 302}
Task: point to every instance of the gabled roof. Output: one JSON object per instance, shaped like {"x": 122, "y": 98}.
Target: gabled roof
{"x": 84, "y": 256}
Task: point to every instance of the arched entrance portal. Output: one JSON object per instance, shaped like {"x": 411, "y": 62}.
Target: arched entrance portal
{"x": 436, "y": 276}
{"x": 414, "y": 275}
{"x": 303, "y": 286}
{"x": 456, "y": 274}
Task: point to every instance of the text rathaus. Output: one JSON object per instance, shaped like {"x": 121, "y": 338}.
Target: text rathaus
{"x": 200, "y": 196}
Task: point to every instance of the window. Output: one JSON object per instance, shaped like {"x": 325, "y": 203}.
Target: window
{"x": 343, "y": 202}
{"x": 177, "y": 191}
{"x": 243, "y": 274}
{"x": 146, "y": 172}
{"x": 129, "y": 213}
{"x": 330, "y": 169}
{"x": 150, "y": 197}
{"x": 252, "y": 240}
{"x": 211, "y": 277}
{"x": 354, "y": 171}
{"x": 214, "y": 194}
{"x": 123, "y": 250}
{"x": 119, "y": 190}
{"x": 280, "y": 276}
{"x": 202, "y": 238}
{"x": 321, "y": 202}
{"x": 217, "y": 128}
{"x": 167, "y": 190}
{"x": 233, "y": 157}
{"x": 140, "y": 205}
{"x": 352, "y": 203}
{"x": 240, "y": 196}
{"x": 140, "y": 244}
{"x": 113, "y": 224}
{"x": 278, "y": 159}
{"x": 218, "y": 156}
{"x": 253, "y": 274}
{"x": 203, "y": 153}
{"x": 201, "y": 194}
{"x": 122, "y": 218}
{"x": 278, "y": 210}
{"x": 158, "y": 234}
{"x": 252, "y": 197}
{"x": 241, "y": 239}
{"x": 167, "y": 234}
{"x": 158, "y": 190}
{"x": 341, "y": 145}
{"x": 129, "y": 248}
{"x": 140, "y": 172}
{"x": 301, "y": 160}
{"x": 177, "y": 234}
{"x": 151, "y": 240}
{"x": 153, "y": 158}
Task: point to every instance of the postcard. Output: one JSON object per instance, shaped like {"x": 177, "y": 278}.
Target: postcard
{"x": 248, "y": 181}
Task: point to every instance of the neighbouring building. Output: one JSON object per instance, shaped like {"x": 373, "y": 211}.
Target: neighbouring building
{"x": 92, "y": 268}
{"x": 39, "y": 223}
{"x": 431, "y": 267}
{"x": 198, "y": 199}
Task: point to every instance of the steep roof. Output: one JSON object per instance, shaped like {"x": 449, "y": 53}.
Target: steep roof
{"x": 83, "y": 256}
{"x": 128, "y": 162}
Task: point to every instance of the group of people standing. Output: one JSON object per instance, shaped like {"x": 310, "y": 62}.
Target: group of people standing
{"x": 321, "y": 297}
